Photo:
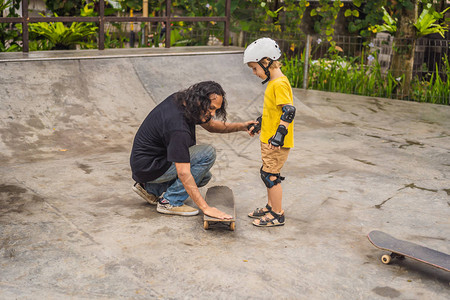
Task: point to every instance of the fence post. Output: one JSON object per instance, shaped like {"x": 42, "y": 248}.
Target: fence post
{"x": 226, "y": 38}
{"x": 101, "y": 25}
{"x": 25, "y": 35}
{"x": 306, "y": 65}
{"x": 145, "y": 28}
{"x": 168, "y": 15}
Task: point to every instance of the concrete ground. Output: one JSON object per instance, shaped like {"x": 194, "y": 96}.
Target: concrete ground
{"x": 72, "y": 228}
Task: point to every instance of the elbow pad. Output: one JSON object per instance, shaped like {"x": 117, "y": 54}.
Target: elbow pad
{"x": 288, "y": 113}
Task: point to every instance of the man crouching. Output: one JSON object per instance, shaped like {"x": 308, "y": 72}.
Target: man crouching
{"x": 165, "y": 158}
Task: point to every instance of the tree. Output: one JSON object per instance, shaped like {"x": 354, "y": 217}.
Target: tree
{"x": 405, "y": 43}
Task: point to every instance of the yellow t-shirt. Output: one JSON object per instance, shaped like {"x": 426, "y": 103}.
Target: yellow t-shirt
{"x": 278, "y": 92}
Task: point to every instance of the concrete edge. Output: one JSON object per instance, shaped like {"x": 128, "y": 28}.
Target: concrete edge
{"x": 126, "y": 53}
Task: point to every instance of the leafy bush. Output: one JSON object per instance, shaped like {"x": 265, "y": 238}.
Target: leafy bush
{"x": 435, "y": 89}
{"x": 62, "y": 37}
{"x": 64, "y": 8}
{"x": 10, "y": 36}
{"x": 363, "y": 76}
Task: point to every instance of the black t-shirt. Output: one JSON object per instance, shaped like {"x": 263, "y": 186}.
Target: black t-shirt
{"x": 163, "y": 138}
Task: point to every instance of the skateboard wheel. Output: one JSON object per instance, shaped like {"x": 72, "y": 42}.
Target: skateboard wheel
{"x": 232, "y": 226}
{"x": 386, "y": 259}
{"x": 205, "y": 225}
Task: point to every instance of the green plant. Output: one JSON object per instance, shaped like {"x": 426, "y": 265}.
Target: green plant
{"x": 62, "y": 37}
{"x": 293, "y": 69}
{"x": 326, "y": 15}
{"x": 426, "y": 23}
{"x": 250, "y": 16}
{"x": 350, "y": 75}
{"x": 64, "y": 8}
{"x": 390, "y": 23}
{"x": 115, "y": 39}
{"x": 4, "y": 5}
{"x": 294, "y": 11}
{"x": 344, "y": 75}
{"x": 10, "y": 34}
{"x": 435, "y": 89}
{"x": 364, "y": 15}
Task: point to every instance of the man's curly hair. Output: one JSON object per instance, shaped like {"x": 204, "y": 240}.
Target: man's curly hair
{"x": 196, "y": 101}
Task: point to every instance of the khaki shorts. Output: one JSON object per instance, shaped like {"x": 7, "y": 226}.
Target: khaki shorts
{"x": 273, "y": 160}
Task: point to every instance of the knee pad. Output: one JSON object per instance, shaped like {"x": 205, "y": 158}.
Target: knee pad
{"x": 265, "y": 176}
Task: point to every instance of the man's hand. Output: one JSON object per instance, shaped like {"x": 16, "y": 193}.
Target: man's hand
{"x": 255, "y": 127}
{"x": 249, "y": 126}
{"x": 215, "y": 213}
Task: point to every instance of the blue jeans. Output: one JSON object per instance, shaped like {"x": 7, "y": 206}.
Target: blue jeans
{"x": 202, "y": 160}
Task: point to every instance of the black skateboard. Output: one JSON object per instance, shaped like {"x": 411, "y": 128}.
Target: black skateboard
{"x": 220, "y": 197}
{"x": 401, "y": 249}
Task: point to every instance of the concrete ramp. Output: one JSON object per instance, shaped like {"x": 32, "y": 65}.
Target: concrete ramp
{"x": 82, "y": 105}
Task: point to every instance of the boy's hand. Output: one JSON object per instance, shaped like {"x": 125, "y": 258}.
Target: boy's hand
{"x": 277, "y": 141}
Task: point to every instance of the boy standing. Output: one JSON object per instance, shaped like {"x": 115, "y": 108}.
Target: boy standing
{"x": 277, "y": 130}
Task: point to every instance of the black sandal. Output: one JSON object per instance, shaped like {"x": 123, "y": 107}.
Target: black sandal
{"x": 266, "y": 221}
{"x": 260, "y": 212}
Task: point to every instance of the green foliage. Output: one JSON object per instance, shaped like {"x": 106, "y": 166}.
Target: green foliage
{"x": 350, "y": 75}
{"x": 426, "y": 23}
{"x": 293, "y": 69}
{"x": 369, "y": 14}
{"x": 64, "y": 8}
{"x": 116, "y": 39}
{"x": 248, "y": 15}
{"x": 10, "y": 34}
{"x": 435, "y": 89}
{"x": 390, "y": 23}
{"x": 294, "y": 11}
{"x": 353, "y": 76}
{"x": 62, "y": 37}
{"x": 130, "y": 4}
{"x": 4, "y": 4}
{"x": 326, "y": 15}
{"x": 201, "y": 7}
{"x": 270, "y": 13}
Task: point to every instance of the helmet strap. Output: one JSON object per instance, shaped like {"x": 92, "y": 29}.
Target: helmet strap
{"x": 266, "y": 69}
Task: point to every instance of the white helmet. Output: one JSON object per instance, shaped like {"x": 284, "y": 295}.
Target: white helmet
{"x": 263, "y": 47}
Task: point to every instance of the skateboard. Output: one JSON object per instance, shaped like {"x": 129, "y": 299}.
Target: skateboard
{"x": 400, "y": 249}
{"x": 220, "y": 197}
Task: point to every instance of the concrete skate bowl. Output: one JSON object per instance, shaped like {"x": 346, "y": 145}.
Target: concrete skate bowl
{"x": 71, "y": 227}
{"x": 53, "y": 109}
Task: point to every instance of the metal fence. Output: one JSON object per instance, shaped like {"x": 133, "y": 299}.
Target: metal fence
{"x": 356, "y": 65}
{"x": 102, "y": 20}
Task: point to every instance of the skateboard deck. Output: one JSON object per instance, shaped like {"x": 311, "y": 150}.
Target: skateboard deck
{"x": 220, "y": 197}
{"x": 400, "y": 249}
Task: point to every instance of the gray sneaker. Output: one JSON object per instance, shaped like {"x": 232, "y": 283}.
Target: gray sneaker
{"x": 183, "y": 210}
{"x": 140, "y": 190}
